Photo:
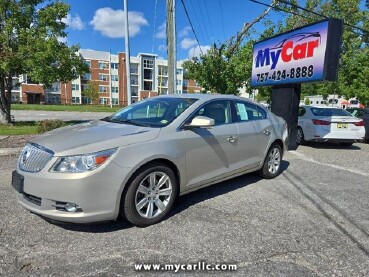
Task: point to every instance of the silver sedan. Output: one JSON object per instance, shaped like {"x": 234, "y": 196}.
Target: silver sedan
{"x": 136, "y": 162}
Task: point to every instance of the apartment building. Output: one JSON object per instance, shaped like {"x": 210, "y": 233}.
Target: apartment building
{"x": 149, "y": 77}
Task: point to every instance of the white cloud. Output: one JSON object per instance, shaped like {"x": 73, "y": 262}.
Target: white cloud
{"x": 196, "y": 52}
{"x": 73, "y": 22}
{"x": 187, "y": 43}
{"x": 111, "y": 23}
{"x": 62, "y": 39}
{"x": 184, "y": 32}
{"x": 161, "y": 34}
{"x": 162, "y": 48}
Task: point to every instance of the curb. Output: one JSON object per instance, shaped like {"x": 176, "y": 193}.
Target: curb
{"x": 9, "y": 151}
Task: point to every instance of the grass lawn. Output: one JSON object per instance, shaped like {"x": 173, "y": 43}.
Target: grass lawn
{"x": 71, "y": 108}
{"x": 25, "y": 128}
{"x": 19, "y": 128}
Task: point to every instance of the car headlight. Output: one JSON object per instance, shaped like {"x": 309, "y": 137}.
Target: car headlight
{"x": 82, "y": 163}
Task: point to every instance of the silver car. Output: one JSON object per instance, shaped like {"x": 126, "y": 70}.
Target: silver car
{"x": 136, "y": 162}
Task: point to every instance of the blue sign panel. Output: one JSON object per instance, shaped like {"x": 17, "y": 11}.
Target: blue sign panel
{"x": 294, "y": 57}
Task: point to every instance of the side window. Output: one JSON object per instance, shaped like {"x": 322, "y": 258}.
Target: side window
{"x": 219, "y": 110}
{"x": 248, "y": 112}
{"x": 302, "y": 111}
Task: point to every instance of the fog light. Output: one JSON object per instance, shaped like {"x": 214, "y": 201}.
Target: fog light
{"x": 70, "y": 207}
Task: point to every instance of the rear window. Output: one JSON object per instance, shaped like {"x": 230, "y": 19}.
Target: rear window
{"x": 329, "y": 112}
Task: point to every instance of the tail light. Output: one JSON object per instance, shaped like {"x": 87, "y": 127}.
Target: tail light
{"x": 320, "y": 122}
{"x": 360, "y": 123}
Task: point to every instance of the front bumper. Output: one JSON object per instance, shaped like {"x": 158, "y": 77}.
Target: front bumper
{"x": 96, "y": 193}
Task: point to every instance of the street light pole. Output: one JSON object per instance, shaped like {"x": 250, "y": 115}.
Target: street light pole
{"x": 128, "y": 57}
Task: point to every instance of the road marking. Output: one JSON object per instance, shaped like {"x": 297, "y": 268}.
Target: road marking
{"x": 306, "y": 158}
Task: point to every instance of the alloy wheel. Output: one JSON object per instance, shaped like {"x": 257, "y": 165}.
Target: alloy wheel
{"x": 274, "y": 160}
{"x": 153, "y": 195}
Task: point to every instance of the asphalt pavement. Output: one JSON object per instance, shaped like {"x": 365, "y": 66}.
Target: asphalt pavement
{"x": 312, "y": 220}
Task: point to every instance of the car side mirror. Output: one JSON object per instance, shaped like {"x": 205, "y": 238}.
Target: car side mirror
{"x": 200, "y": 122}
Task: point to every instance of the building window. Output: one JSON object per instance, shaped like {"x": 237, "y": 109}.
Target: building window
{"x": 179, "y": 91}
{"x": 114, "y": 77}
{"x": 185, "y": 83}
{"x": 179, "y": 71}
{"x": 103, "y": 77}
{"x": 179, "y": 82}
{"x": 148, "y": 74}
{"x": 114, "y": 65}
{"x": 163, "y": 71}
{"x": 75, "y": 100}
{"x": 114, "y": 89}
{"x": 134, "y": 91}
{"x": 87, "y": 76}
{"x": 103, "y": 101}
{"x": 148, "y": 63}
{"x": 88, "y": 63}
{"x": 75, "y": 87}
{"x": 147, "y": 85}
{"x": 103, "y": 65}
{"x": 103, "y": 89}
{"x": 134, "y": 71}
{"x": 86, "y": 100}
{"x": 115, "y": 101}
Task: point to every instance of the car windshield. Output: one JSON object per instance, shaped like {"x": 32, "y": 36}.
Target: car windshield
{"x": 153, "y": 112}
{"x": 329, "y": 112}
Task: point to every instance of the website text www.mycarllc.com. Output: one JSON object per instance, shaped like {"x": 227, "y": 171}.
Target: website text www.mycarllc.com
{"x": 200, "y": 266}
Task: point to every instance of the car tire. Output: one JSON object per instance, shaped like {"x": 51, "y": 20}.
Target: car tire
{"x": 300, "y": 138}
{"x": 150, "y": 196}
{"x": 272, "y": 162}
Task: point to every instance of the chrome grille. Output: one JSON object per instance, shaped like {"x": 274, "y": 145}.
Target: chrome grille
{"x": 34, "y": 157}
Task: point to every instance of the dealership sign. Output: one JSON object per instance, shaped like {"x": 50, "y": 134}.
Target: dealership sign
{"x": 306, "y": 54}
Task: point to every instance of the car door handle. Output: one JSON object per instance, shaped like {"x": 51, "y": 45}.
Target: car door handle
{"x": 266, "y": 132}
{"x": 232, "y": 138}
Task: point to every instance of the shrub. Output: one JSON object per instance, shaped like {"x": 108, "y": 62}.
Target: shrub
{"x": 48, "y": 125}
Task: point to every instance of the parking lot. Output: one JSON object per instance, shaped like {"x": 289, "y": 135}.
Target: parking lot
{"x": 312, "y": 220}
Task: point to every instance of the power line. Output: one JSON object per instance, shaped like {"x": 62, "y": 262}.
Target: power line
{"x": 153, "y": 34}
{"x": 307, "y": 10}
{"x": 322, "y": 15}
{"x": 221, "y": 15}
{"x": 193, "y": 30}
{"x": 207, "y": 14}
{"x": 279, "y": 9}
{"x": 203, "y": 20}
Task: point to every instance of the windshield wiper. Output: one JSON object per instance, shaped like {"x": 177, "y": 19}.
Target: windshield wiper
{"x": 126, "y": 121}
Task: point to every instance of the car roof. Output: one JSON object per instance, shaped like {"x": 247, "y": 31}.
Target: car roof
{"x": 205, "y": 97}
{"x": 320, "y": 107}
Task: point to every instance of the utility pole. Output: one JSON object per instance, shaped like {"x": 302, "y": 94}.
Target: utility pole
{"x": 171, "y": 47}
{"x": 128, "y": 55}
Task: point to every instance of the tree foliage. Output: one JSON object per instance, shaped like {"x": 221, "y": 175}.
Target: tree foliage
{"x": 92, "y": 91}
{"x": 354, "y": 63}
{"x": 30, "y": 32}
{"x": 218, "y": 70}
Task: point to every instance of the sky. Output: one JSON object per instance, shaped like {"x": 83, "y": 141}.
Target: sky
{"x": 99, "y": 24}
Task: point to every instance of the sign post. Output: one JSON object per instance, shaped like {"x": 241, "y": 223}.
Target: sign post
{"x": 306, "y": 54}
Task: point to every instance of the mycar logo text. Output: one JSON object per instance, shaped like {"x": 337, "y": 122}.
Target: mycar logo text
{"x": 296, "y": 47}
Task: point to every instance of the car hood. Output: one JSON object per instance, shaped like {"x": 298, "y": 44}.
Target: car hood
{"x": 94, "y": 136}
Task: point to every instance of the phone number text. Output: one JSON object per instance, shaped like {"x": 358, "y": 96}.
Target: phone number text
{"x": 292, "y": 73}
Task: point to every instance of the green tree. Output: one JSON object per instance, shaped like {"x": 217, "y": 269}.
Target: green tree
{"x": 354, "y": 63}
{"x": 30, "y": 32}
{"x": 92, "y": 91}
